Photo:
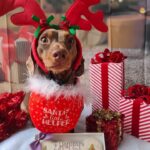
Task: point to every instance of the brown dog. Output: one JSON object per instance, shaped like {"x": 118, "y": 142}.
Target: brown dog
{"x": 58, "y": 50}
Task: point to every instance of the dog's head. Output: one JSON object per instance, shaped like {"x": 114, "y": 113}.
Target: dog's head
{"x": 57, "y": 49}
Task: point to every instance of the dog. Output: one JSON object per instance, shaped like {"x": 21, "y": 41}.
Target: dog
{"x": 58, "y": 51}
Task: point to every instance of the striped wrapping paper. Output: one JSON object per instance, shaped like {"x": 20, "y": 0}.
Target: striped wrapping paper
{"x": 106, "y": 85}
{"x": 140, "y": 129}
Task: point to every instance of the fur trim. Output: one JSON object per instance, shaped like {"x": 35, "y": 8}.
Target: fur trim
{"x": 41, "y": 85}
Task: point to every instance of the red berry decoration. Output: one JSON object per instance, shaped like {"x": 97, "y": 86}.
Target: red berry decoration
{"x": 56, "y": 114}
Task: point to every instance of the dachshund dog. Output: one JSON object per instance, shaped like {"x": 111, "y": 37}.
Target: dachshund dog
{"x": 58, "y": 50}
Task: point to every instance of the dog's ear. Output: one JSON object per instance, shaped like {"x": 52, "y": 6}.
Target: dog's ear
{"x": 80, "y": 69}
{"x": 30, "y": 65}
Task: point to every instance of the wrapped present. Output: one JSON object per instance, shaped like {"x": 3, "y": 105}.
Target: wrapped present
{"x": 12, "y": 118}
{"x": 135, "y": 105}
{"x": 109, "y": 122}
{"x": 107, "y": 79}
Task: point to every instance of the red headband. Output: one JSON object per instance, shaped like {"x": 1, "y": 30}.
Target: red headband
{"x": 41, "y": 64}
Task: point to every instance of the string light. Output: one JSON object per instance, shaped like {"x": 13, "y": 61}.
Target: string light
{"x": 120, "y": 1}
{"x": 142, "y": 10}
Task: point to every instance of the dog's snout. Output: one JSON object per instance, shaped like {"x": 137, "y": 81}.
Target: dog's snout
{"x": 59, "y": 55}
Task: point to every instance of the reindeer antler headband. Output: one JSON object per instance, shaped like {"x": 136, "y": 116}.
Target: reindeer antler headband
{"x": 71, "y": 21}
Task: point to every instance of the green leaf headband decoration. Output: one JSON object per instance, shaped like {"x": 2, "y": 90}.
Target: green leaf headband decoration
{"x": 44, "y": 23}
{"x": 47, "y": 22}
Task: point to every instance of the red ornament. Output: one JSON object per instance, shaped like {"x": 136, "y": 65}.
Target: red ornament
{"x": 56, "y": 114}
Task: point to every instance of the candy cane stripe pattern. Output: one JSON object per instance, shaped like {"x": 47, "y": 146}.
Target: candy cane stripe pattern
{"x": 115, "y": 84}
{"x": 95, "y": 84}
{"x": 126, "y": 106}
{"x": 126, "y": 109}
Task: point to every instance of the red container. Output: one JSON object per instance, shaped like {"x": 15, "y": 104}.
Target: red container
{"x": 56, "y": 114}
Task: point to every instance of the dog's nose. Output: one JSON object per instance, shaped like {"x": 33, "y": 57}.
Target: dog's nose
{"x": 59, "y": 55}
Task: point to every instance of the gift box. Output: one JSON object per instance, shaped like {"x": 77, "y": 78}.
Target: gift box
{"x": 107, "y": 79}
{"x": 12, "y": 118}
{"x": 109, "y": 122}
{"x": 135, "y": 105}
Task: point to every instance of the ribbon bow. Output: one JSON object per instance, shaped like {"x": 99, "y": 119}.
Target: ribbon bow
{"x": 107, "y": 56}
{"x": 138, "y": 92}
{"x": 36, "y": 144}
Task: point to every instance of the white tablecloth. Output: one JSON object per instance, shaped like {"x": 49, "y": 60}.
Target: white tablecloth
{"x": 22, "y": 139}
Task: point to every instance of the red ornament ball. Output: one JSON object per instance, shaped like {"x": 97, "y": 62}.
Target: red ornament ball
{"x": 56, "y": 114}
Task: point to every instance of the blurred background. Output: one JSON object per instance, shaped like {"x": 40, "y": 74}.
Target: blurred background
{"x": 129, "y": 31}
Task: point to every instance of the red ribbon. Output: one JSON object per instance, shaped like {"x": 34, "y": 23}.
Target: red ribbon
{"x": 104, "y": 75}
{"x": 136, "y": 116}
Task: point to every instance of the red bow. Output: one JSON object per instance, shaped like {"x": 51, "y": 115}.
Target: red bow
{"x": 107, "y": 56}
{"x": 139, "y": 92}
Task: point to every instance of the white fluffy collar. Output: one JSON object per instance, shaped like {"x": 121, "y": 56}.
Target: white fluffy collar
{"x": 41, "y": 85}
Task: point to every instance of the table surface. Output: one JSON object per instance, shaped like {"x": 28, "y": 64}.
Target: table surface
{"x": 22, "y": 139}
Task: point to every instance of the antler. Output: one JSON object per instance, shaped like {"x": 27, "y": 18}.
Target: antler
{"x": 31, "y": 7}
{"x": 81, "y": 7}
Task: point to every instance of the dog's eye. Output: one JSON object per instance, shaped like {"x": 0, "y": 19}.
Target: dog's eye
{"x": 70, "y": 41}
{"x": 44, "y": 40}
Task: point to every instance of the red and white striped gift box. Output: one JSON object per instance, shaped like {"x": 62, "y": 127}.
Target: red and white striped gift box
{"x": 137, "y": 117}
{"x": 106, "y": 83}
